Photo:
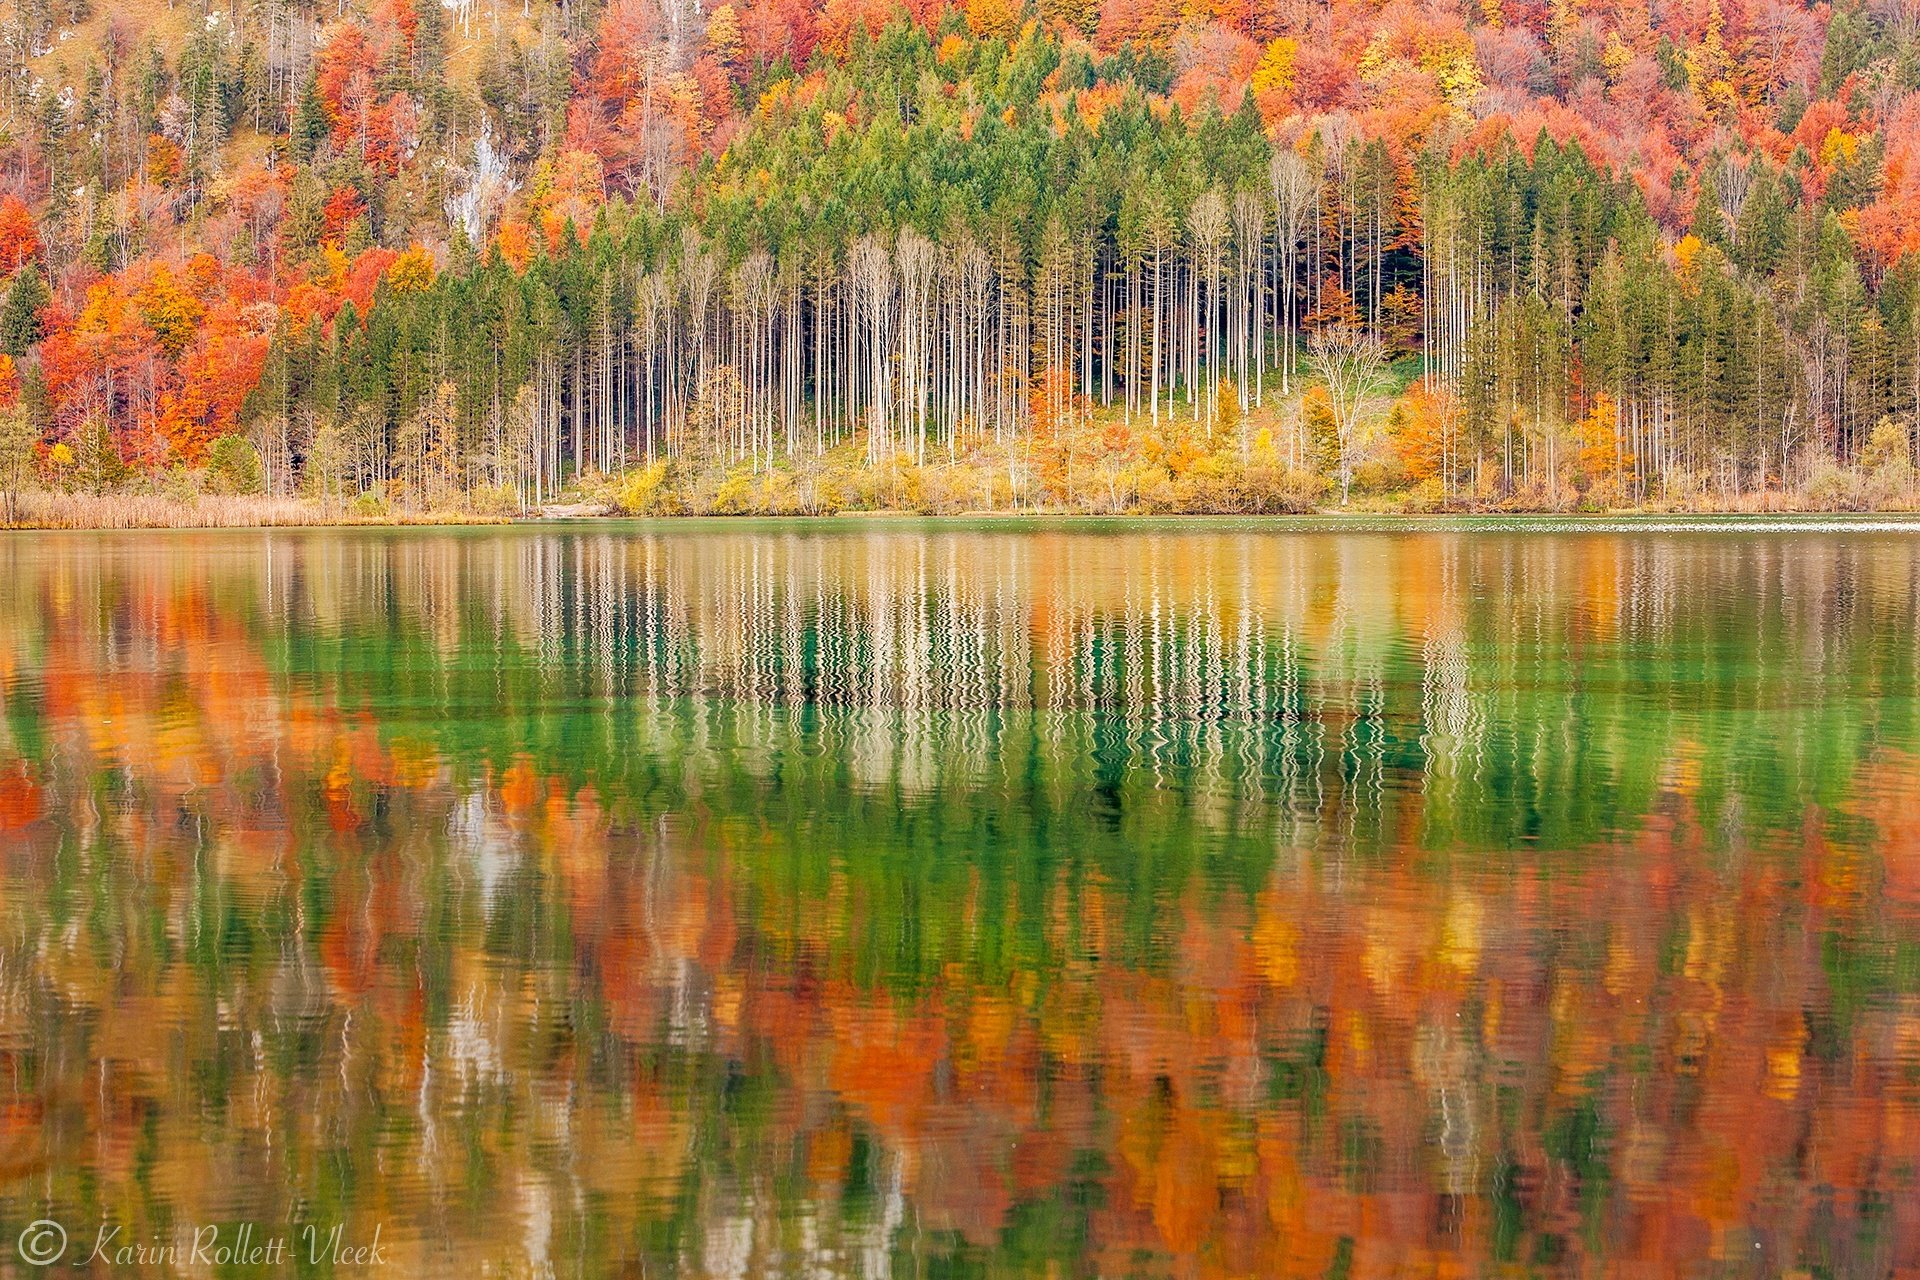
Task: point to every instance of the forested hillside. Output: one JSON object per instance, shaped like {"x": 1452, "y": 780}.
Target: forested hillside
{"x": 1126, "y": 255}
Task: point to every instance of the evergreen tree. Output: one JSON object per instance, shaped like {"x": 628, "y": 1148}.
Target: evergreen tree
{"x": 20, "y": 317}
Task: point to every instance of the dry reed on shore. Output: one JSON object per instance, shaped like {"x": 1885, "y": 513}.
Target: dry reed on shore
{"x": 55, "y": 510}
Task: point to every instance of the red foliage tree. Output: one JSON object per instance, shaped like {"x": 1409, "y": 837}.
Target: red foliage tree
{"x": 342, "y": 207}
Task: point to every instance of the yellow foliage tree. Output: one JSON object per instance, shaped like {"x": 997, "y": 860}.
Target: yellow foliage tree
{"x": 1455, "y": 72}
{"x": 1226, "y": 414}
{"x": 1888, "y": 444}
{"x": 1276, "y": 69}
{"x": 1709, "y": 67}
{"x": 171, "y": 312}
{"x": 412, "y": 271}
{"x": 1839, "y": 148}
{"x": 330, "y": 268}
{"x": 723, "y": 34}
{"x": 1686, "y": 252}
{"x": 1321, "y": 429}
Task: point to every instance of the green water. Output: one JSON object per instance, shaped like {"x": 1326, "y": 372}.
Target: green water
{"x": 945, "y": 899}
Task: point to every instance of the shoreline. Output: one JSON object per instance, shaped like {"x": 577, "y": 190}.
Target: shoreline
{"x": 318, "y": 520}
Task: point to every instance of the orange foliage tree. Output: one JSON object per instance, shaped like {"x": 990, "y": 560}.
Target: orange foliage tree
{"x": 19, "y": 237}
{"x": 213, "y": 382}
{"x": 1601, "y": 456}
{"x": 1423, "y": 426}
{"x": 1056, "y": 412}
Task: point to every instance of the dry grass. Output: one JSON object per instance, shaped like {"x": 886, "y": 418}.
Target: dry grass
{"x": 963, "y": 488}
{"x": 52, "y": 510}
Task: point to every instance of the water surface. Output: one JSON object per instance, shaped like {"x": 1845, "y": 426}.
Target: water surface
{"x": 886, "y": 898}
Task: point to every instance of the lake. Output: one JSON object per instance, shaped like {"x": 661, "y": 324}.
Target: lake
{"x": 898, "y": 898}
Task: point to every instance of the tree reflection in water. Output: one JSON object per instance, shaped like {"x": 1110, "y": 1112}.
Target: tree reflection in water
{"x": 911, "y": 900}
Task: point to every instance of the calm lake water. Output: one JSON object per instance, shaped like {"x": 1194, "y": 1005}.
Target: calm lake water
{"x": 876, "y": 899}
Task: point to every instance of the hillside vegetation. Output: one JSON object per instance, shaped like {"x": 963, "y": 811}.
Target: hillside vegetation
{"x": 785, "y": 256}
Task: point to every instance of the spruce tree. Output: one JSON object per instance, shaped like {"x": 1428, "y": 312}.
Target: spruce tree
{"x": 20, "y": 317}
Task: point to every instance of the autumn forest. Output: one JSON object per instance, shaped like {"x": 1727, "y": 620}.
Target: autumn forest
{"x": 658, "y": 256}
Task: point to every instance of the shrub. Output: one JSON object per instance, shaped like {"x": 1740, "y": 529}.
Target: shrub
{"x": 177, "y": 484}
{"x": 493, "y": 500}
{"x": 738, "y": 494}
{"x": 747, "y": 492}
{"x": 1378, "y": 475}
{"x": 642, "y": 491}
{"x": 1891, "y": 480}
{"x": 1429, "y": 495}
{"x": 1832, "y": 487}
{"x": 954, "y": 488}
{"x": 233, "y": 466}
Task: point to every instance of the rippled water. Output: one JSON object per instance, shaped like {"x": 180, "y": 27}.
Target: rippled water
{"x": 931, "y": 900}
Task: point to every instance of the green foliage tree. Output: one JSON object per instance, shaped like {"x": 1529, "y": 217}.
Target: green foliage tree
{"x": 21, "y": 316}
